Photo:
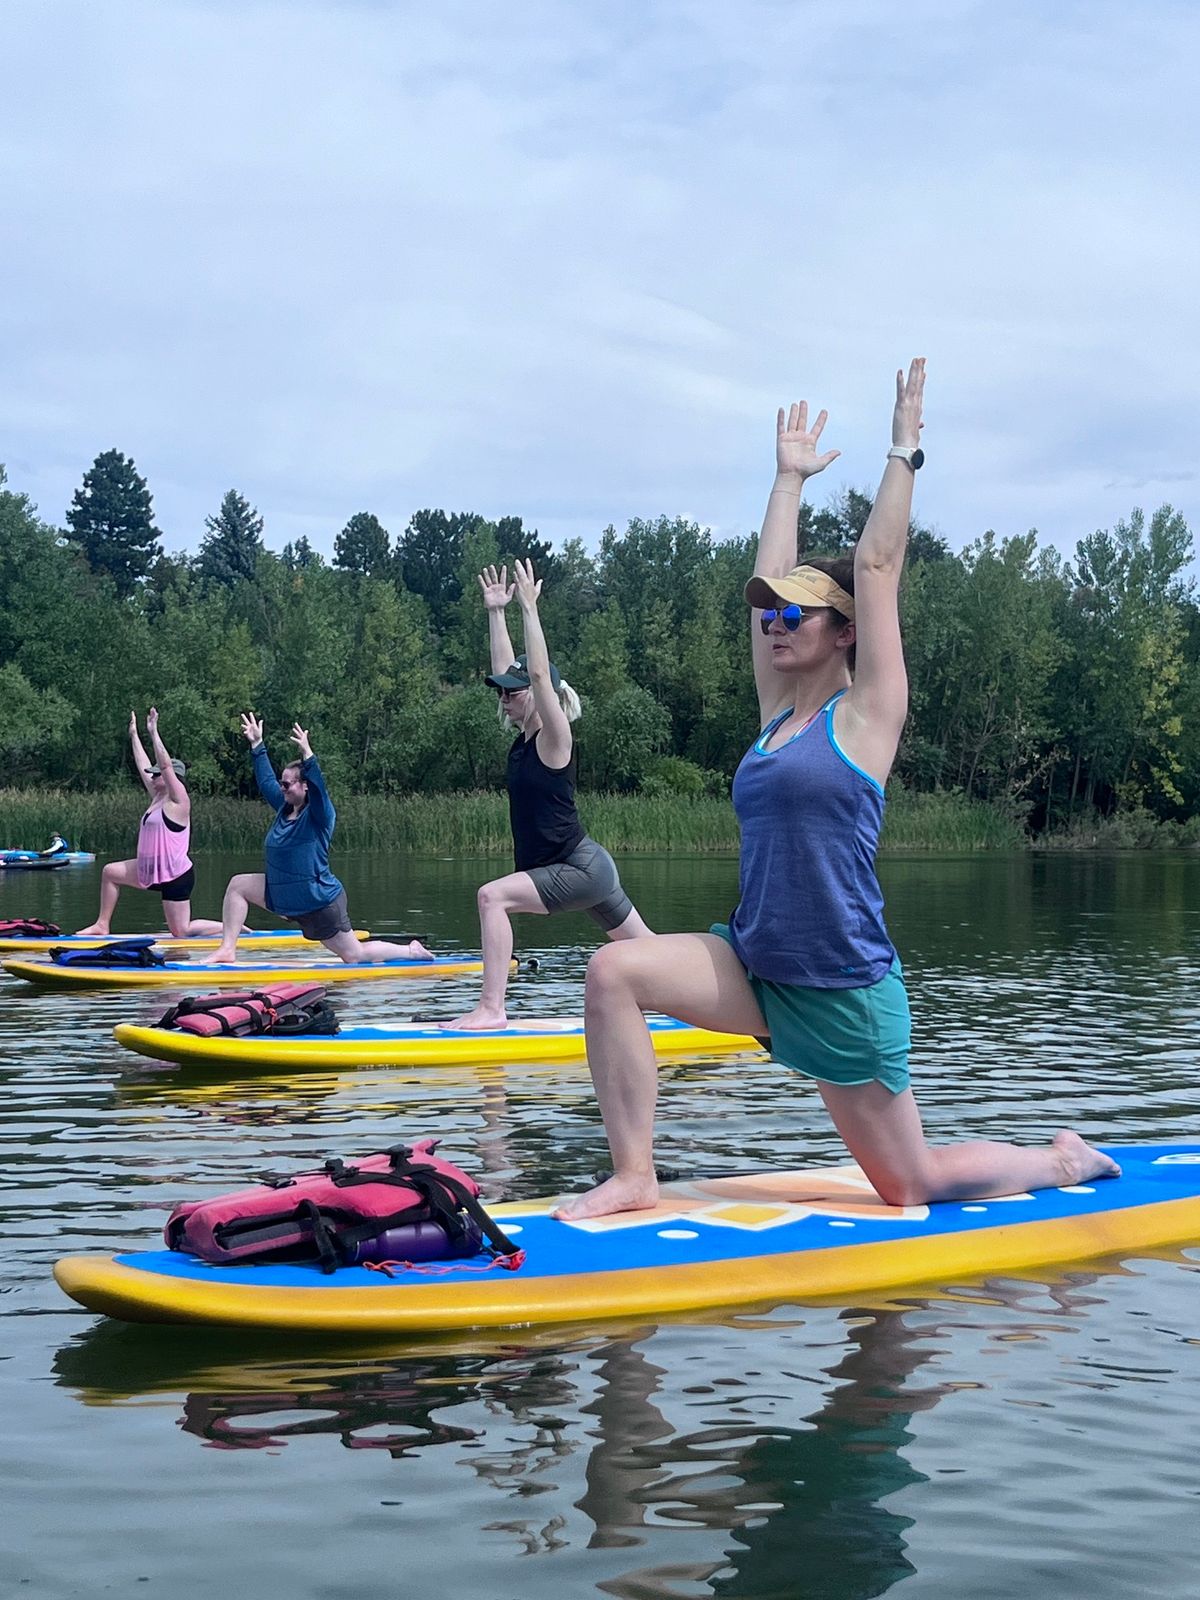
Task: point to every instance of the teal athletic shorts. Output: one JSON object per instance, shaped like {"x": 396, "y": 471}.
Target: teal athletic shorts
{"x": 842, "y": 1036}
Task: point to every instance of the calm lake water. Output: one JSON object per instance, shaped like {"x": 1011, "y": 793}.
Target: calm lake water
{"x": 1014, "y": 1437}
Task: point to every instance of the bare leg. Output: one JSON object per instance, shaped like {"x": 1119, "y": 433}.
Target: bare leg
{"x": 243, "y": 891}
{"x": 117, "y": 875}
{"x": 693, "y": 976}
{"x": 352, "y": 950}
{"x": 884, "y": 1135}
{"x": 182, "y": 925}
{"x": 632, "y": 928}
{"x": 496, "y": 901}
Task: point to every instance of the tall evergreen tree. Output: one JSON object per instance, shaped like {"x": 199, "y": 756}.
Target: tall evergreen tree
{"x": 230, "y": 549}
{"x": 298, "y": 555}
{"x": 363, "y": 546}
{"x": 428, "y": 555}
{"x": 111, "y": 519}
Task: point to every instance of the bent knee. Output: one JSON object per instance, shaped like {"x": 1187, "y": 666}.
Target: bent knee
{"x": 614, "y": 966}
{"x": 491, "y": 897}
{"x": 901, "y": 1189}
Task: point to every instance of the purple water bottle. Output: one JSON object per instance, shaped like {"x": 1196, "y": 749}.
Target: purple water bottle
{"x": 417, "y": 1241}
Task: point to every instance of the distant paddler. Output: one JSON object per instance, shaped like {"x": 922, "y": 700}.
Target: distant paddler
{"x": 298, "y": 883}
{"x": 559, "y": 868}
{"x": 162, "y": 863}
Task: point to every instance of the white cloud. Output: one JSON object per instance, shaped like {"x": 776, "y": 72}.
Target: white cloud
{"x": 565, "y": 262}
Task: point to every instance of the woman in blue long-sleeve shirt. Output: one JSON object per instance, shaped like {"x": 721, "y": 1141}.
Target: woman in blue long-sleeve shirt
{"x": 298, "y": 883}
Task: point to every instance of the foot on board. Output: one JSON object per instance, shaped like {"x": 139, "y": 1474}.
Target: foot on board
{"x": 638, "y": 1192}
{"x": 478, "y": 1020}
{"x": 1081, "y": 1161}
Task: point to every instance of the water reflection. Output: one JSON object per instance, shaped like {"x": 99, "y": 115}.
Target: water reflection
{"x": 648, "y": 1436}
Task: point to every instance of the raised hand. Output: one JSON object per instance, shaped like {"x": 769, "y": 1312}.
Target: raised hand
{"x": 251, "y": 729}
{"x": 527, "y": 586}
{"x": 152, "y": 721}
{"x": 796, "y": 443}
{"x": 133, "y": 725}
{"x": 497, "y": 591}
{"x": 910, "y": 396}
{"x": 299, "y": 736}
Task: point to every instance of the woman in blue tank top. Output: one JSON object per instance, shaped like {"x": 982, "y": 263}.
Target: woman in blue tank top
{"x": 559, "y": 868}
{"x": 806, "y": 958}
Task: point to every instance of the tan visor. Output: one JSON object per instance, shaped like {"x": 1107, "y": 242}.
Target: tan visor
{"x": 803, "y": 586}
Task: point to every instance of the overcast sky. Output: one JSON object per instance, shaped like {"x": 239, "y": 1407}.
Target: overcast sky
{"x": 564, "y": 260}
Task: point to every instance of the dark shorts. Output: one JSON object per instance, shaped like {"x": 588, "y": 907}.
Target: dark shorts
{"x": 326, "y": 920}
{"x": 586, "y": 881}
{"x": 179, "y": 888}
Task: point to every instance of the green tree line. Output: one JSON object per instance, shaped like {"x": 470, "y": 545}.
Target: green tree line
{"x": 1055, "y": 689}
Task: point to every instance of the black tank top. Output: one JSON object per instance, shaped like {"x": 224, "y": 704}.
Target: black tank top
{"x": 541, "y": 807}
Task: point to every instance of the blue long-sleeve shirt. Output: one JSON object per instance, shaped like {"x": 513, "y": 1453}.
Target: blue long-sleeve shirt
{"x": 297, "y": 848}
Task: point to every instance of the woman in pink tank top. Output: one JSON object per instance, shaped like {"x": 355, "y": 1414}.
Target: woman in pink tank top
{"x": 162, "y": 862}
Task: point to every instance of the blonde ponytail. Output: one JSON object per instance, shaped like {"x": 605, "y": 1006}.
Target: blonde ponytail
{"x": 569, "y": 701}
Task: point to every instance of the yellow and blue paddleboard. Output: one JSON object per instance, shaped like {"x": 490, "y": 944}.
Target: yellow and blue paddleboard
{"x": 412, "y": 1044}
{"x": 773, "y": 1236}
{"x": 203, "y": 975}
{"x": 255, "y": 939}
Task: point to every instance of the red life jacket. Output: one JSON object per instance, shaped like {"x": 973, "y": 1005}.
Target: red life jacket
{"x": 28, "y": 928}
{"x": 284, "y": 1008}
{"x": 328, "y": 1215}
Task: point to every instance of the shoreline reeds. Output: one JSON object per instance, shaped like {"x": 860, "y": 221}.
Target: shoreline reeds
{"x": 476, "y": 823}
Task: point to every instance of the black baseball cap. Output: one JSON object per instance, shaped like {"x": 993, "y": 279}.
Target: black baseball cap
{"x": 517, "y": 676}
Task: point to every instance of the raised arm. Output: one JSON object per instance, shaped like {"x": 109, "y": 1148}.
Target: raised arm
{"x": 177, "y": 795}
{"x": 796, "y": 458}
{"x": 554, "y": 737}
{"x": 877, "y": 703}
{"x": 140, "y": 759}
{"x": 264, "y": 773}
{"x": 320, "y": 806}
{"x": 497, "y": 592}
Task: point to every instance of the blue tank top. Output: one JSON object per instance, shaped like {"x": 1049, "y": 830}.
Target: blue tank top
{"x": 810, "y": 910}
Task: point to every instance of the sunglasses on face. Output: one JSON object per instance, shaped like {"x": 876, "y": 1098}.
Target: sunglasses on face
{"x": 790, "y": 616}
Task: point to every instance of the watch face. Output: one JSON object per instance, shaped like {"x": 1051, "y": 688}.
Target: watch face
{"x": 917, "y": 459}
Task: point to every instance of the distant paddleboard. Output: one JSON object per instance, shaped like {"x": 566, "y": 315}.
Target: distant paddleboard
{"x": 816, "y": 1233}
{"x": 235, "y": 974}
{"x": 257, "y": 938}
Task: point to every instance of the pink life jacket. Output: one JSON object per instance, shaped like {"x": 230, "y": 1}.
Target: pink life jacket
{"x": 28, "y": 928}
{"x": 283, "y": 1008}
{"x": 328, "y": 1215}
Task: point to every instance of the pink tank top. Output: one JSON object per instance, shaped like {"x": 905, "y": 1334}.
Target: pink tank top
{"x": 162, "y": 854}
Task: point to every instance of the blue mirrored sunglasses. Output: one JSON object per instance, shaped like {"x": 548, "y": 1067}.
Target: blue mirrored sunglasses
{"x": 790, "y": 616}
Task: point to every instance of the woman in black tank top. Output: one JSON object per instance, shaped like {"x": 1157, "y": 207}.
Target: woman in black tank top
{"x": 558, "y": 867}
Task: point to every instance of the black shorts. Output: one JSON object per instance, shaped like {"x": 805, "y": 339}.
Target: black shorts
{"x": 326, "y": 920}
{"x": 586, "y": 881}
{"x": 179, "y": 888}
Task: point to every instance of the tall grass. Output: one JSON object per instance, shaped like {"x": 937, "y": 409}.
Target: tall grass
{"x": 477, "y": 824}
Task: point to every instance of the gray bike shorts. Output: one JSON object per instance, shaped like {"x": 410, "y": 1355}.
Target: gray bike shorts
{"x": 586, "y": 881}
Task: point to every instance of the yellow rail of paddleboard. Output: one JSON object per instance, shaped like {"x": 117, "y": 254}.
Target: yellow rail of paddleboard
{"x": 497, "y": 1300}
{"x": 49, "y": 975}
{"x": 167, "y": 1044}
{"x": 260, "y": 939}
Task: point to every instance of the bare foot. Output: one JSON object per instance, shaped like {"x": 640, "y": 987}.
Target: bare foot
{"x": 1081, "y": 1161}
{"x": 92, "y": 929}
{"x": 221, "y": 957}
{"x": 479, "y": 1019}
{"x": 638, "y": 1192}
{"x": 416, "y": 948}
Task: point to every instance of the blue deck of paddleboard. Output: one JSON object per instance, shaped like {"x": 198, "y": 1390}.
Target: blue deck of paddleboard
{"x": 1152, "y": 1174}
{"x": 432, "y": 1030}
{"x": 194, "y": 969}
